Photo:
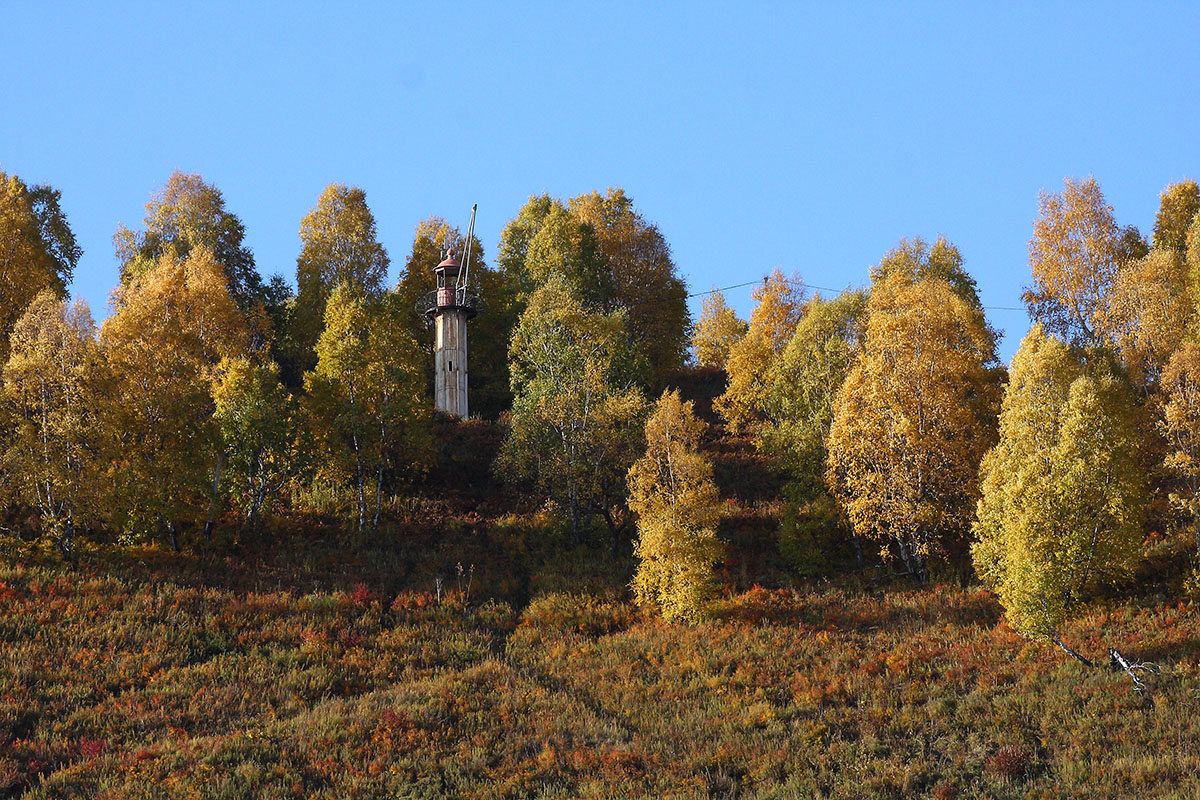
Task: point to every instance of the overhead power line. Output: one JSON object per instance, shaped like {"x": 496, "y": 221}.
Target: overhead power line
{"x": 807, "y": 285}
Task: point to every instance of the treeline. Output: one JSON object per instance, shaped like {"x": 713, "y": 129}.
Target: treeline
{"x": 209, "y": 392}
{"x": 894, "y": 422}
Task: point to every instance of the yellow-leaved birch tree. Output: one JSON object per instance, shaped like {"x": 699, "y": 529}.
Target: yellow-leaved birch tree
{"x": 913, "y": 418}
{"x": 671, "y": 491}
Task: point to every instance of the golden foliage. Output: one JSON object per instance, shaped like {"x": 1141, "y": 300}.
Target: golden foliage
{"x": 716, "y": 332}
{"x": 1178, "y": 206}
{"x": 1148, "y": 313}
{"x": 49, "y": 394}
{"x": 1074, "y": 255}
{"x": 186, "y": 213}
{"x": 1180, "y": 424}
{"x": 914, "y": 417}
{"x": 170, "y": 329}
{"x": 1062, "y": 491}
{"x": 27, "y": 267}
{"x": 644, "y": 279}
{"x": 671, "y": 491}
{"x": 772, "y": 324}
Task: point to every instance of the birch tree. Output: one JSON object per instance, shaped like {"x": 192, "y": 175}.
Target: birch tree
{"x": 50, "y": 394}
{"x": 1062, "y": 492}
{"x": 913, "y": 418}
{"x": 578, "y": 412}
{"x": 671, "y": 491}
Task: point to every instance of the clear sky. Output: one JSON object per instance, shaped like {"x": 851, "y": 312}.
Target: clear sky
{"x": 810, "y": 136}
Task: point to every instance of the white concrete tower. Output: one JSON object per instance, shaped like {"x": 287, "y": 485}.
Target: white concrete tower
{"x": 451, "y": 306}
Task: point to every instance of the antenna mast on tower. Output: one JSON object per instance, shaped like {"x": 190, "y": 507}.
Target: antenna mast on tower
{"x": 462, "y": 284}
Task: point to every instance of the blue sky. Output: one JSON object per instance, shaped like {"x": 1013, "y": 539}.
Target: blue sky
{"x": 806, "y": 136}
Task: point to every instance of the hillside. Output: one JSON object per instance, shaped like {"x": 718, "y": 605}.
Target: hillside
{"x": 335, "y": 668}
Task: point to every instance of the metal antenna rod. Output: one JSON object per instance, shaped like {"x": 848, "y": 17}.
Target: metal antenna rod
{"x": 470, "y": 240}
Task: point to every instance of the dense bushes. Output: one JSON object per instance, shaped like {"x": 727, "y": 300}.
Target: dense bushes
{"x": 118, "y": 688}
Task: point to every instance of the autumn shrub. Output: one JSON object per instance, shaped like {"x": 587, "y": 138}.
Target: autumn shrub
{"x": 584, "y": 614}
{"x": 1010, "y": 761}
{"x": 120, "y": 687}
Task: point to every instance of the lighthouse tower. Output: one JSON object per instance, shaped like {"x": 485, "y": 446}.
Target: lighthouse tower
{"x": 450, "y": 313}
{"x": 449, "y": 306}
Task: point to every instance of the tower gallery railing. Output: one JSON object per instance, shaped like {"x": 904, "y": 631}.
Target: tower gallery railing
{"x": 449, "y": 297}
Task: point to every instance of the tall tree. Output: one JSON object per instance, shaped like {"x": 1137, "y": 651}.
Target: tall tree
{"x": 368, "y": 393}
{"x": 913, "y": 418}
{"x": 1149, "y": 311}
{"x": 644, "y": 279}
{"x": 338, "y": 246}
{"x": 1178, "y": 206}
{"x": 1076, "y": 250}
{"x": 1062, "y": 491}
{"x": 171, "y": 326}
{"x": 488, "y": 333}
{"x": 258, "y": 422}
{"x": 184, "y": 214}
{"x": 49, "y": 394}
{"x": 772, "y": 324}
{"x": 37, "y": 249}
{"x": 799, "y": 410}
{"x": 671, "y": 491}
{"x": 612, "y": 258}
{"x": 917, "y": 260}
{"x": 1180, "y": 424}
{"x": 577, "y": 411}
{"x": 716, "y": 332}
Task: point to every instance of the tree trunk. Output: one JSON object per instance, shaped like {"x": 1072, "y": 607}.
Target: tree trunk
{"x": 912, "y": 562}
{"x": 858, "y": 555}
{"x": 173, "y": 536}
{"x": 1058, "y": 641}
{"x": 378, "y": 496}
{"x": 212, "y": 500}
{"x": 362, "y": 499}
{"x": 576, "y": 527}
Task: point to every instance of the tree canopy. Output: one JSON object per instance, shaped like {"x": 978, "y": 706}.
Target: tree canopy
{"x": 612, "y": 258}
{"x": 1075, "y": 253}
{"x": 184, "y": 214}
{"x": 37, "y": 249}
{"x": 772, "y": 324}
{"x": 1062, "y": 490}
{"x": 716, "y": 332}
{"x": 913, "y": 418}
{"x": 671, "y": 491}
{"x": 338, "y": 246}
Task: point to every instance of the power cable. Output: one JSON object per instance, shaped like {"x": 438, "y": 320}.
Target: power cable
{"x": 807, "y": 285}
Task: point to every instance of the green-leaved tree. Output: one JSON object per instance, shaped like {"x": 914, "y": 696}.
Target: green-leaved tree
{"x": 1062, "y": 492}
{"x": 578, "y": 410}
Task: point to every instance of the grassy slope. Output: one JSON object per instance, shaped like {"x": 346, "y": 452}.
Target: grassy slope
{"x": 327, "y": 671}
